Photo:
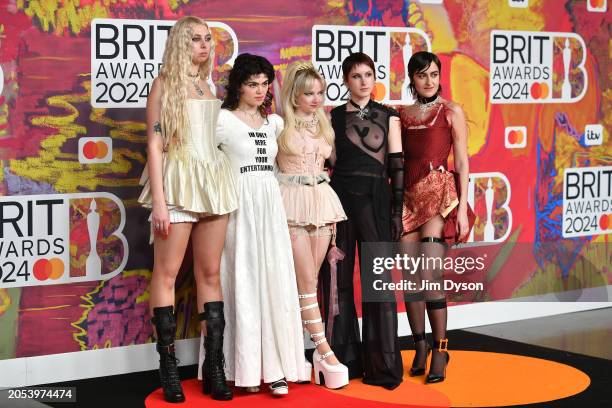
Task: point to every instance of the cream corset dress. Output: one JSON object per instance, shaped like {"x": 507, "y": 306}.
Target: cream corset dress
{"x": 197, "y": 177}
{"x": 310, "y": 203}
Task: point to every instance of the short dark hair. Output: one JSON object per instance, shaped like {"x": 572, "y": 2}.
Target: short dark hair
{"x": 420, "y": 61}
{"x": 353, "y": 60}
{"x": 245, "y": 66}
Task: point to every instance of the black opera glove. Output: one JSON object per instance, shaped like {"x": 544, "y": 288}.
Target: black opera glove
{"x": 396, "y": 172}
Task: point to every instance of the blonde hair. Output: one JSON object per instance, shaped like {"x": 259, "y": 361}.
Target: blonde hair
{"x": 299, "y": 78}
{"x": 174, "y": 74}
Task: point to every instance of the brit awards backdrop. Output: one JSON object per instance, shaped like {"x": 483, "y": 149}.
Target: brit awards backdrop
{"x": 533, "y": 77}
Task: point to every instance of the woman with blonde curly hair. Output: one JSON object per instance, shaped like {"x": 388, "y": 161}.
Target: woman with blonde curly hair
{"x": 190, "y": 190}
{"x": 312, "y": 207}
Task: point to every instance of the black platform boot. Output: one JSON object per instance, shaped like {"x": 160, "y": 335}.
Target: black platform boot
{"x": 165, "y": 326}
{"x": 213, "y": 374}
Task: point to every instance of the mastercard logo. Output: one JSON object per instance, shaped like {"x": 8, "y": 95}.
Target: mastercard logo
{"x": 596, "y": 5}
{"x": 379, "y": 91}
{"x": 516, "y": 137}
{"x": 48, "y": 269}
{"x": 605, "y": 222}
{"x": 95, "y": 150}
{"x": 539, "y": 90}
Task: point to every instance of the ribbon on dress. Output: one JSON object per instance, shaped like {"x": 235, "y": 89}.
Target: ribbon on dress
{"x": 334, "y": 255}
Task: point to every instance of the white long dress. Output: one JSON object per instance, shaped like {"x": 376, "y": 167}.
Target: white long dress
{"x": 263, "y": 333}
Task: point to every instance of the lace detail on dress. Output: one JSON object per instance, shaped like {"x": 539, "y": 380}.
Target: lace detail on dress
{"x": 369, "y": 134}
{"x": 428, "y": 120}
{"x": 311, "y": 158}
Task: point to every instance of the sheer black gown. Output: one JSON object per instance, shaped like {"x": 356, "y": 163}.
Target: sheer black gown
{"x": 360, "y": 178}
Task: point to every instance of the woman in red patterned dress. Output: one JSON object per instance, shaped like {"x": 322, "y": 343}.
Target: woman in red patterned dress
{"x": 435, "y": 201}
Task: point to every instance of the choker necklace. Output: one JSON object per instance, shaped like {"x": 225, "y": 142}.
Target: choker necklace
{"x": 425, "y": 103}
{"x": 254, "y": 116}
{"x": 306, "y": 123}
{"x": 196, "y": 86}
{"x": 363, "y": 113}
{"x": 197, "y": 74}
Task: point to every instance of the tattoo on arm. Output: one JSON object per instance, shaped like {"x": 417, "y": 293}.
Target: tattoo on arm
{"x": 157, "y": 128}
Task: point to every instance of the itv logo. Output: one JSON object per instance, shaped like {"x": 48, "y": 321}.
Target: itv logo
{"x": 593, "y": 135}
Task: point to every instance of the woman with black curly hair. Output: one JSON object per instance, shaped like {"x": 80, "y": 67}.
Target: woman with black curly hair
{"x": 263, "y": 335}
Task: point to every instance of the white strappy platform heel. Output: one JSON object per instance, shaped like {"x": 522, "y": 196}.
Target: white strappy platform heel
{"x": 333, "y": 376}
{"x": 306, "y": 376}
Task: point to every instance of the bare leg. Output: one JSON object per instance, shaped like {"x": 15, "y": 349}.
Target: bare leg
{"x": 319, "y": 247}
{"x": 306, "y": 275}
{"x": 208, "y": 238}
{"x": 168, "y": 257}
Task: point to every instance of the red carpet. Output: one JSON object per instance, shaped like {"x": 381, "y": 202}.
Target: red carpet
{"x": 473, "y": 379}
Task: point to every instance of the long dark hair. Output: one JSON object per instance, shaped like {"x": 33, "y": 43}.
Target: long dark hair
{"x": 420, "y": 61}
{"x": 245, "y": 66}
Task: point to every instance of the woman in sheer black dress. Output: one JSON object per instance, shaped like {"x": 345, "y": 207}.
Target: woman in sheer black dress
{"x": 367, "y": 152}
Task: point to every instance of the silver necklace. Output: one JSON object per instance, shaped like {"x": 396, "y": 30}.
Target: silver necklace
{"x": 254, "y": 116}
{"x": 194, "y": 80}
{"x": 306, "y": 123}
{"x": 362, "y": 113}
{"x": 424, "y": 107}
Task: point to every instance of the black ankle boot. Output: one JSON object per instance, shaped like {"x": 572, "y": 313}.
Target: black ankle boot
{"x": 165, "y": 326}
{"x": 213, "y": 374}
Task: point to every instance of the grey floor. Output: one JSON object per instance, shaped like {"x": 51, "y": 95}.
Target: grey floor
{"x": 586, "y": 332}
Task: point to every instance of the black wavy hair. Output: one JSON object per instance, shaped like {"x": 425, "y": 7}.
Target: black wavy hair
{"x": 245, "y": 66}
{"x": 420, "y": 61}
